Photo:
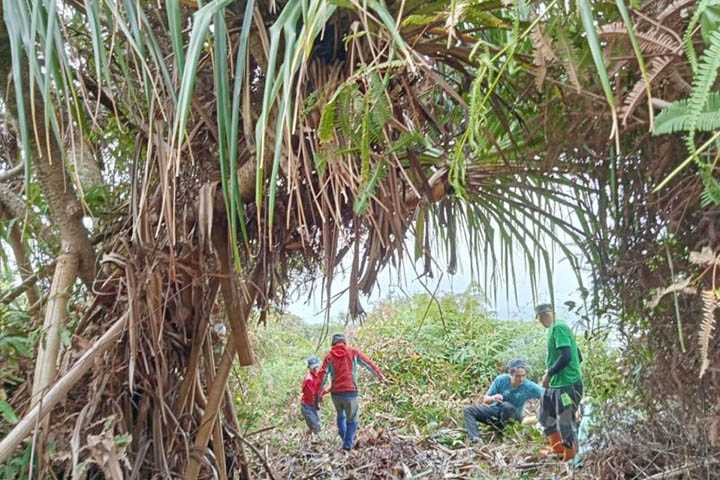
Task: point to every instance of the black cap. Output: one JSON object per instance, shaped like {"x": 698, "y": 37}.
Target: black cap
{"x": 338, "y": 338}
{"x": 543, "y": 308}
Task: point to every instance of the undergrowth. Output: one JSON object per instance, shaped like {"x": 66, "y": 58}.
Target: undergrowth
{"x": 438, "y": 354}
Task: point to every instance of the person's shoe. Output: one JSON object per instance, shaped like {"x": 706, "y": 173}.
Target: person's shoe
{"x": 555, "y": 445}
{"x": 569, "y": 453}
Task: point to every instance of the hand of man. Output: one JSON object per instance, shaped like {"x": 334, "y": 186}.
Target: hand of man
{"x": 545, "y": 380}
{"x": 498, "y": 397}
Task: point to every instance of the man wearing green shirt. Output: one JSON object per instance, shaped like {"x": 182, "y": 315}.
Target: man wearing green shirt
{"x": 563, "y": 385}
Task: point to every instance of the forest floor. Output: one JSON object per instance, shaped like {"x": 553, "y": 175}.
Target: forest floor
{"x": 387, "y": 454}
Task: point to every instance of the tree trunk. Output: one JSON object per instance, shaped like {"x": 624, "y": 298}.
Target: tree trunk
{"x": 24, "y": 267}
{"x": 65, "y": 209}
{"x": 235, "y": 308}
{"x": 49, "y": 345}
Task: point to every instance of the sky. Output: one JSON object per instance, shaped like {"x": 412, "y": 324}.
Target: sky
{"x": 564, "y": 280}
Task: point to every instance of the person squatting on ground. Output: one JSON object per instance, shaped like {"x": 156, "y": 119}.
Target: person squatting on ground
{"x": 342, "y": 365}
{"x": 563, "y": 385}
{"x": 311, "y": 396}
{"x": 504, "y": 400}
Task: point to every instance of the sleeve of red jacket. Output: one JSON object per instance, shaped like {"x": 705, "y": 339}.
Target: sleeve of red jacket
{"x": 367, "y": 363}
{"x": 322, "y": 378}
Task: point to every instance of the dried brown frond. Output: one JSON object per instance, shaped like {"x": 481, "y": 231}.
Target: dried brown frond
{"x": 638, "y": 93}
{"x": 542, "y": 54}
{"x": 706, "y": 328}
{"x": 651, "y": 42}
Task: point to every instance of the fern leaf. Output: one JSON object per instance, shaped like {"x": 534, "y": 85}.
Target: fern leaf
{"x": 321, "y": 160}
{"x": 676, "y": 117}
{"x": 650, "y": 42}
{"x": 368, "y": 190}
{"x": 380, "y": 111}
{"x": 711, "y": 192}
{"x": 706, "y": 328}
{"x": 327, "y": 122}
{"x": 346, "y": 115}
{"x": 365, "y": 144}
{"x": 705, "y": 76}
{"x": 687, "y": 38}
{"x": 632, "y": 100}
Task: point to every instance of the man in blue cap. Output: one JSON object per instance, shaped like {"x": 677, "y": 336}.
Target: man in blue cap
{"x": 504, "y": 401}
{"x": 311, "y": 396}
{"x": 563, "y": 384}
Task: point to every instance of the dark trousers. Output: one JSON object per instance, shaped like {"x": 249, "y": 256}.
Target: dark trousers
{"x": 496, "y": 416}
{"x": 557, "y": 415}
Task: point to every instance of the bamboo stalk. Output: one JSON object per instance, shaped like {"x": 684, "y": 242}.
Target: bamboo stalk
{"x": 59, "y": 390}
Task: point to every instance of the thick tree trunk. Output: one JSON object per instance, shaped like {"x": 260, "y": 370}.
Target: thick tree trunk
{"x": 65, "y": 212}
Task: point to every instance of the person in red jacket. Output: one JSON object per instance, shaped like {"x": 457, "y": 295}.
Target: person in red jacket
{"x": 342, "y": 365}
{"x": 311, "y": 395}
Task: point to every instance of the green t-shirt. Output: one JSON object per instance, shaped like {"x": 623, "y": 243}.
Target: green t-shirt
{"x": 560, "y": 335}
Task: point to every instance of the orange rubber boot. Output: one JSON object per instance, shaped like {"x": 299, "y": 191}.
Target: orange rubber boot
{"x": 555, "y": 445}
{"x": 569, "y": 453}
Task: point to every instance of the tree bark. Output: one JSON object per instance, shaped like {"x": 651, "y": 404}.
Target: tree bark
{"x": 49, "y": 345}
{"x": 65, "y": 209}
{"x": 25, "y": 269}
{"x": 235, "y": 308}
